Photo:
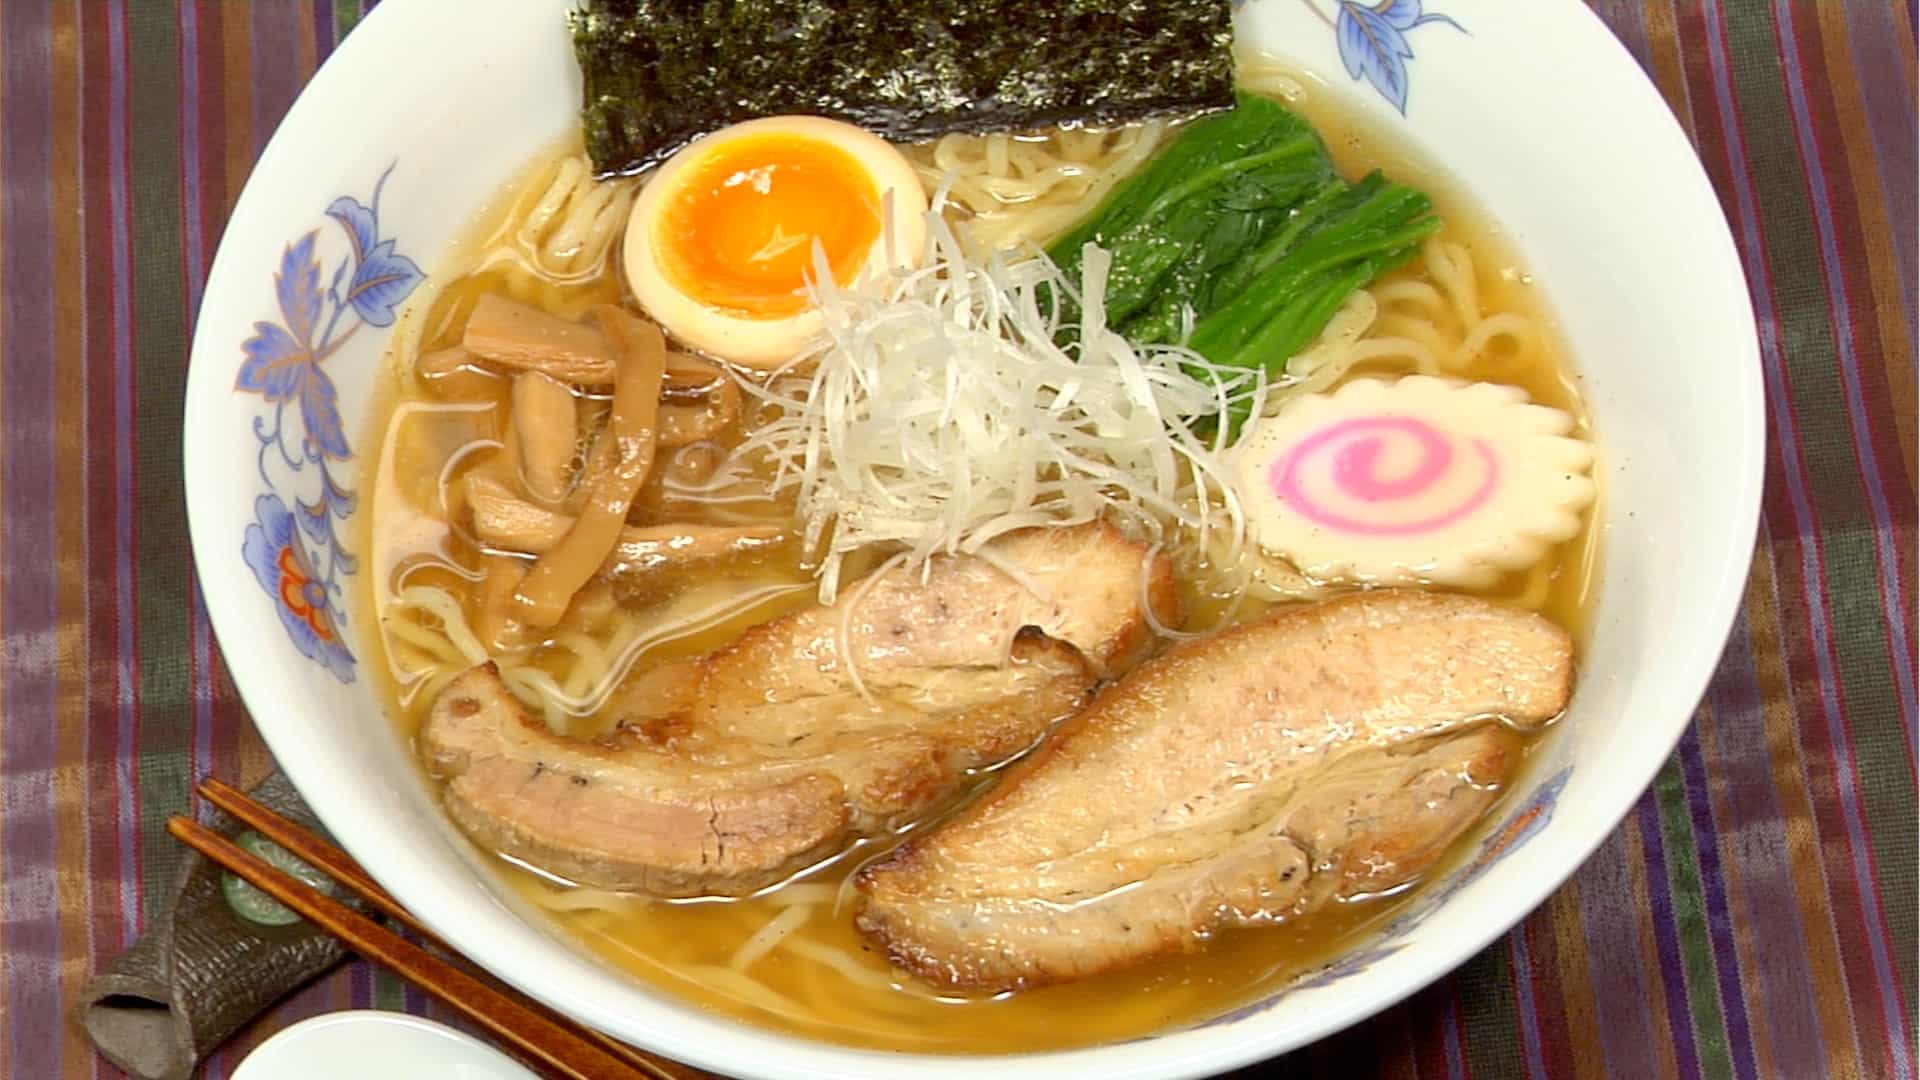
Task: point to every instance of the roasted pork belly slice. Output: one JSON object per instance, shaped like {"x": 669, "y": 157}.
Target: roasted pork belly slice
{"x": 731, "y": 771}
{"x": 786, "y": 682}
{"x": 621, "y": 813}
{"x": 1081, "y": 585}
{"x": 619, "y": 817}
{"x": 1249, "y": 778}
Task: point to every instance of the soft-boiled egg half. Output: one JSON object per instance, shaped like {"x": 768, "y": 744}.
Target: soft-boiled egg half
{"x": 720, "y": 246}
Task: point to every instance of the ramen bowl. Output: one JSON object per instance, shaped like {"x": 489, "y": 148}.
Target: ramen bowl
{"x": 1533, "y": 110}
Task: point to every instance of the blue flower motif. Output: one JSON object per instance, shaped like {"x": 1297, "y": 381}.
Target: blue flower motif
{"x": 382, "y": 277}
{"x": 1373, "y": 43}
{"x": 296, "y": 554}
{"x": 1523, "y": 824}
{"x": 273, "y": 550}
{"x": 297, "y": 286}
{"x": 282, "y": 364}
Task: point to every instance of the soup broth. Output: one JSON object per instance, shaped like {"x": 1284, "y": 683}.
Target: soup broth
{"x": 790, "y": 958}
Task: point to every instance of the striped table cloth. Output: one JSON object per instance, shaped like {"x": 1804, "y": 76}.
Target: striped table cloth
{"x": 1754, "y": 917}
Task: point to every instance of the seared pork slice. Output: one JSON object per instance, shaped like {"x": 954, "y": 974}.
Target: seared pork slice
{"x": 1081, "y": 585}
{"x": 1087, "y": 585}
{"x": 601, "y": 814}
{"x": 730, "y": 771}
{"x": 1244, "y": 779}
{"x": 899, "y": 743}
{"x": 788, "y": 752}
{"x": 785, "y": 686}
{"x": 780, "y": 681}
{"x": 619, "y": 813}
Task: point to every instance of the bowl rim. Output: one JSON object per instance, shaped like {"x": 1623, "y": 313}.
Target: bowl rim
{"x": 329, "y": 1033}
{"x": 725, "y": 1044}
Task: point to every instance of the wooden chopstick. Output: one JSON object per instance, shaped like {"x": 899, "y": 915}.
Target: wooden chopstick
{"x": 310, "y": 849}
{"x": 338, "y": 865}
{"x": 532, "y": 1031}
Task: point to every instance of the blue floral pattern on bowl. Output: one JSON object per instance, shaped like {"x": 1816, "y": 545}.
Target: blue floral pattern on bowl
{"x": 1520, "y": 825}
{"x": 1373, "y": 41}
{"x": 293, "y": 545}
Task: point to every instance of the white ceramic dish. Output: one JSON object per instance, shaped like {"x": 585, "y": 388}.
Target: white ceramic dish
{"x": 371, "y": 1045}
{"x": 1534, "y": 107}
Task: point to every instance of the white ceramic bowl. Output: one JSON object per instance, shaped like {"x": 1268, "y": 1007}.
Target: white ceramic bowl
{"x": 1534, "y": 107}
{"x": 370, "y": 1045}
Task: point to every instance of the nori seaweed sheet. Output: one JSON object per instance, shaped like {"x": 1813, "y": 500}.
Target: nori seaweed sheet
{"x": 658, "y": 73}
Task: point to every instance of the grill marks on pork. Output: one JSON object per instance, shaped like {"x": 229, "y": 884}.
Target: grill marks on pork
{"x": 734, "y": 770}
{"x": 1248, "y": 778}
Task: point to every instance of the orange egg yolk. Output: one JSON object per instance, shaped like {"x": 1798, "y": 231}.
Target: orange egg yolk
{"x": 739, "y": 229}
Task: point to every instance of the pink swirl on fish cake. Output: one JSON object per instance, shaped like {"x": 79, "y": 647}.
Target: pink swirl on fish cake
{"x": 1357, "y": 445}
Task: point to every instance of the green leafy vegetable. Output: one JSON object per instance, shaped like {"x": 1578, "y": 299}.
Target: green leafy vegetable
{"x": 1241, "y": 231}
{"x": 659, "y": 72}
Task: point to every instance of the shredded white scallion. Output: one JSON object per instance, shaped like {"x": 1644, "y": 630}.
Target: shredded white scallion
{"x": 938, "y": 411}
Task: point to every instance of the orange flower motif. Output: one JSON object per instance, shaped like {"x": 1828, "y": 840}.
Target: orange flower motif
{"x": 273, "y": 550}
{"x": 297, "y": 591}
